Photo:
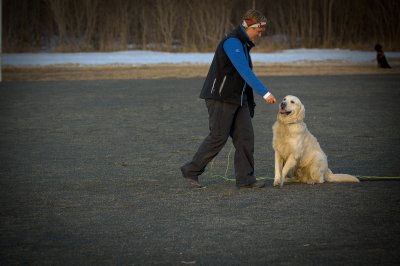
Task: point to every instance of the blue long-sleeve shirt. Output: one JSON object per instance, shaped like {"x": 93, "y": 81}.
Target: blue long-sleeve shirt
{"x": 238, "y": 55}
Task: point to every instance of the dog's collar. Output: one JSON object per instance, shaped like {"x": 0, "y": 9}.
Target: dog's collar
{"x": 289, "y": 123}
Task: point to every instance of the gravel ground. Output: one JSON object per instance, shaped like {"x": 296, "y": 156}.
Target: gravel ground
{"x": 89, "y": 175}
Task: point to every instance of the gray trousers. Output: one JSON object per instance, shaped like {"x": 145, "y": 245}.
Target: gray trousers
{"x": 226, "y": 120}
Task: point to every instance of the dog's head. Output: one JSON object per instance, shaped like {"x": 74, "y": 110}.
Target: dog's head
{"x": 291, "y": 110}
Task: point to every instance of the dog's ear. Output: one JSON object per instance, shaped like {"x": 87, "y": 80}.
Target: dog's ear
{"x": 302, "y": 111}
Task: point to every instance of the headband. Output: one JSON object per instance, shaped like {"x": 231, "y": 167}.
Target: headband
{"x": 248, "y": 23}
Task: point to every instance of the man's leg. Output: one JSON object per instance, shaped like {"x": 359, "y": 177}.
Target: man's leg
{"x": 221, "y": 116}
{"x": 243, "y": 140}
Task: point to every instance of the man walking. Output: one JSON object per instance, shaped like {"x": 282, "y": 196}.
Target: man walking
{"x": 228, "y": 93}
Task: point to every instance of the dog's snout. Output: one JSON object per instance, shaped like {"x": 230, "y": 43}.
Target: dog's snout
{"x": 283, "y": 105}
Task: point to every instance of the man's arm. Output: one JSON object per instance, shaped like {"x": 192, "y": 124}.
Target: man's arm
{"x": 234, "y": 50}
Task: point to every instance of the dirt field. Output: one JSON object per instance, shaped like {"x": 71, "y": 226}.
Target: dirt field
{"x": 75, "y": 72}
{"x": 89, "y": 175}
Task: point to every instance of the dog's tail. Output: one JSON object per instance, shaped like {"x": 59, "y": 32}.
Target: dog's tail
{"x": 331, "y": 177}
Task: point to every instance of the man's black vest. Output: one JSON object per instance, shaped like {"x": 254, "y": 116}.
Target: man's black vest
{"x": 223, "y": 82}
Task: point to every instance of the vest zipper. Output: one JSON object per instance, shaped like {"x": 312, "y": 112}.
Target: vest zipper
{"x": 222, "y": 85}
{"x": 241, "y": 97}
{"x": 212, "y": 89}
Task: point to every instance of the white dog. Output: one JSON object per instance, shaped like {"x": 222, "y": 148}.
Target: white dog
{"x": 297, "y": 151}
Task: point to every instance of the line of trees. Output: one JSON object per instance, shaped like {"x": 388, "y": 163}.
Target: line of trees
{"x": 193, "y": 25}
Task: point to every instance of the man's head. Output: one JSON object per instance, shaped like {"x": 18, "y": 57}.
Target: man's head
{"x": 254, "y": 22}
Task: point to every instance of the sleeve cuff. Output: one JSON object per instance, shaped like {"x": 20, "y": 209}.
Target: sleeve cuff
{"x": 266, "y": 95}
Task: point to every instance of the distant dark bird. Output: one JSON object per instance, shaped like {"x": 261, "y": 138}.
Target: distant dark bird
{"x": 380, "y": 57}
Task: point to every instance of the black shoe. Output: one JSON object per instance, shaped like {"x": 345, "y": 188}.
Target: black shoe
{"x": 194, "y": 183}
{"x": 257, "y": 184}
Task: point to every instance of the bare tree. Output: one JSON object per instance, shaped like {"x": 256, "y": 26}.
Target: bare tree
{"x": 77, "y": 25}
{"x": 167, "y": 18}
{"x": 58, "y": 8}
{"x": 327, "y": 11}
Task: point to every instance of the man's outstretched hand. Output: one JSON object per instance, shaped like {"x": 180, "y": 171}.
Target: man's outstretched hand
{"x": 270, "y": 99}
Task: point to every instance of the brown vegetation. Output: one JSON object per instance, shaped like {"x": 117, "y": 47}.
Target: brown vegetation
{"x": 75, "y": 72}
{"x": 190, "y": 25}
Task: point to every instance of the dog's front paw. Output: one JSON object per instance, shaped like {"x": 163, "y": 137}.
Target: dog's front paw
{"x": 277, "y": 182}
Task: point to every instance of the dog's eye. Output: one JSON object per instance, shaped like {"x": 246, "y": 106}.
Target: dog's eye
{"x": 284, "y": 99}
{"x": 292, "y": 101}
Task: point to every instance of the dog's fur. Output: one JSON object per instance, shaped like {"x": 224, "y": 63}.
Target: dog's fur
{"x": 297, "y": 151}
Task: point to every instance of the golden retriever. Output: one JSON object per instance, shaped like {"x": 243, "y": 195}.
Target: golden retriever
{"x": 297, "y": 151}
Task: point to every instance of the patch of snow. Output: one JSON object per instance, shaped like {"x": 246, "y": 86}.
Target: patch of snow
{"x": 138, "y": 57}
